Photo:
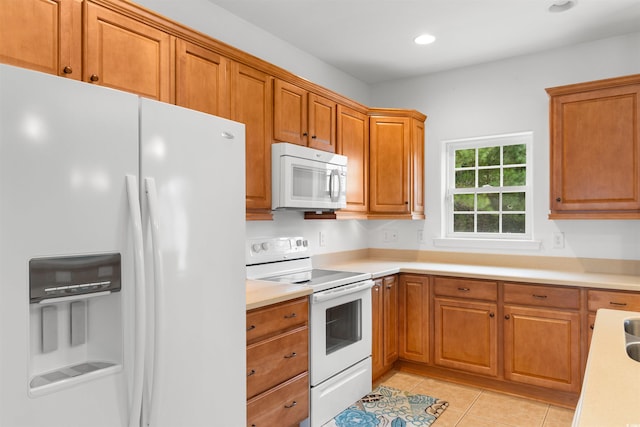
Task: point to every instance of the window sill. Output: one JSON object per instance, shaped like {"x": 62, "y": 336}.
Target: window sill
{"x": 450, "y": 242}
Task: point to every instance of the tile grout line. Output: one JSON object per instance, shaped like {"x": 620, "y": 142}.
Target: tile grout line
{"x": 464, "y": 414}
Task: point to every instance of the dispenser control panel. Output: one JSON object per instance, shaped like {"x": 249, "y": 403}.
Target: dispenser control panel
{"x": 52, "y": 278}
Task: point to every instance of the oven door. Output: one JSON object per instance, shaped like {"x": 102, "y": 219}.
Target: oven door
{"x": 340, "y": 329}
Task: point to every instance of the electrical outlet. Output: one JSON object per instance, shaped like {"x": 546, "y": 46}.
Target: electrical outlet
{"x": 420, "y": 236}
{"x": 390, "y": 235}
{"x": 558, "y": 240}
{"x": 322, "y": 239}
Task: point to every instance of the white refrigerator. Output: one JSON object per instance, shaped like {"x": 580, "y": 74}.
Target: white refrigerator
{"x": 122, "y": 297}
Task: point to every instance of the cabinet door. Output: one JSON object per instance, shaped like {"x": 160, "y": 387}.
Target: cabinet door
{"x": 542, "y": 347}
{"x": 413, "y": 322}
{"x": 289, "y": 113}
{"x": 390, "y": 145}
{"x": 42, "y": 35}
{"x": 466, "y": 335}
{"x": 126, "y": 54}
{"x": 251, "y": 104}
{"x": 322, "y": 123}
{"x": 377, "y": 359}
{"x": 390, "y": 319}
{"x": 417, "y": 169}
{"x": 595, "y": 149}
{"x": 201, "y": 79}
{"x": 353, "y": 142}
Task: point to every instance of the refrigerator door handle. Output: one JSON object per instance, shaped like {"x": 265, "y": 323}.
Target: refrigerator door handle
{"x": 158, "y": 289}
{"x": 140, "y": 297}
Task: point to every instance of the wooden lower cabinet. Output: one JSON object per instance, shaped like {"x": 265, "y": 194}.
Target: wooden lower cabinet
{"x": 542, "y": 347}
{"x": 384, "y": 296}
{"x": 278, "y": 364}
{"x": 612, "y": 300}
{"x": 466, "y": 335}
{"x": 413, "y": 318}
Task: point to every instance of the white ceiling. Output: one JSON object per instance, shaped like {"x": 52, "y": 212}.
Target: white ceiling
{"x": 372, "y": 40}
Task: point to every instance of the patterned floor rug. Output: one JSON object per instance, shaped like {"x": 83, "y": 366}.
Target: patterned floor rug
{"x": 390, "y": 407}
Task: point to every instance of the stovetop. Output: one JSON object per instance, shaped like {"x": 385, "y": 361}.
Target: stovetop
{"x": 287, "y": 260}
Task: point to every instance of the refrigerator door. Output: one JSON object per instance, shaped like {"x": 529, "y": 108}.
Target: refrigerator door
{"x": 65, "y": 148}
{"x": 192, "y": 170}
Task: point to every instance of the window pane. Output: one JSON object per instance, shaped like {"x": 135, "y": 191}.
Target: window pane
{"x": 489, "y": 177}
{"x": 465, "y": 179}
{"x": 466, "y": 158}
{"x": 515, "y": 154}
{"x": 489, "y": 156}
{"x": 463, "y": 223}
{"x": 513, "y": 223}
{"x": 513, "y": 201}
{"x": 463, "y": 202}
{"x": 489, "y": 202}
{"x": 488, "y": 223}
{"x": 515, "y": 176}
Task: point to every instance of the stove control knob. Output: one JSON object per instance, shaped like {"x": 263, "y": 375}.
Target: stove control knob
{"x": 256, "y": 247}
{"x": 265, "y": 246}
{"x": 305, "y": 243}
{"x": 299, "y": 242}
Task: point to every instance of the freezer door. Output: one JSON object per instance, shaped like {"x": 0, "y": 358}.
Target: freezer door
{"x": 193, "y": 169}
{"x": 65, "y": 148}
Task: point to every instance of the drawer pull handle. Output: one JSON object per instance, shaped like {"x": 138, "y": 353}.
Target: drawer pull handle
{"x": 251, "y": 328}
{"x": 290, "y": 316}
{"x": 618, "y": 304}
{"x": 539, "y": 296}
{"x": 291, "y": 406}
{"x": 251, "y": 372}
{"x": 292, "y": 355}
{"x": 464, "y": 289}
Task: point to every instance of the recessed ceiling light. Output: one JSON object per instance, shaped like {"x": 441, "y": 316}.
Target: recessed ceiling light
{"x": 561, "y": 5}
{"x": 424, "y": 39}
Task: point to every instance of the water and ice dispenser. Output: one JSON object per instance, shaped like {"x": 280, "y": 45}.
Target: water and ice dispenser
{"x": 75, "y": 319}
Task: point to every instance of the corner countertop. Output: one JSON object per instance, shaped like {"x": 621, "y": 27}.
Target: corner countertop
{"x": 379, "y": 268}
{"x": 260, "y": 293}
{"x": 611, "y": 388}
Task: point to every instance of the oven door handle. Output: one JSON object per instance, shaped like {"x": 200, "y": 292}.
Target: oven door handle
{"x": 341, "y": 291}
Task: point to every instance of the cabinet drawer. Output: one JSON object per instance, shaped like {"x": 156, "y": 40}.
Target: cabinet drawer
{"x": 466, "y": 288}
{"x": 285, "y": 405}
{"x": 268, "y": 321}
{"x": 277, "y": 359}
{"x": 613, "y": 300}
{"x": 543, "y": 296}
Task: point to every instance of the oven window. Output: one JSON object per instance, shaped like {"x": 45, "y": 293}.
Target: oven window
{"x": 344, "y": 325}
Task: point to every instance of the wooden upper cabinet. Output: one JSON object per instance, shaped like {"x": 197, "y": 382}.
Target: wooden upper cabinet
{"x": 353, "y": 142}
{"x": 201, "y": 79}
{"x": 126, "y": 54}
{"x": 303, "y": 118}
{"x": 390, "y": 146}
{"x": 42, "y": 35}
{"x": 396, "y": 161}
{"x": 252, "y": 104}
{"x": 595, "y": 149}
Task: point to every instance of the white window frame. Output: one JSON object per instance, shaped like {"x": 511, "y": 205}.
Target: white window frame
{"x": 451, "y": 238}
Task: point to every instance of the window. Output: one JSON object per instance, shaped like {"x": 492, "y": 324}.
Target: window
{"x": 488, "y": 187}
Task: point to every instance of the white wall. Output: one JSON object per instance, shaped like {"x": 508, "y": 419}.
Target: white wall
{"x": 216, "y": 22}
{"x": 509, "y": 96}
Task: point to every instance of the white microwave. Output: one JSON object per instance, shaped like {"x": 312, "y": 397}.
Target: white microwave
{"x": 307, "y": 179}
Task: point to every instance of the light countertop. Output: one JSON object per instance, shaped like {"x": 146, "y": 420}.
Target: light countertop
{"x": 379, "y": 268}
{"x": 611, "y": 388}
{"x": 261, "y": 293}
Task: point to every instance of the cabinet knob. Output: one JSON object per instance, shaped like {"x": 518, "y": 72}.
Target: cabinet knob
{"x": 251, "y": 372}
{"x": 389, "y": 286}
{"x": 507, "y": 316}
{"x": 492, "y": 315}
{"x": 592, "y": 326}
{"x": 67, "y": 70}
{"x": 94, "y": 78}
{"x": 305, "y": 134}
{"x": 313, "y": 137}
{"x": 558, "y": 199}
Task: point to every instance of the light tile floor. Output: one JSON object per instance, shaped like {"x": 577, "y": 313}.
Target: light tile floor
{"x": 477, "y": 407}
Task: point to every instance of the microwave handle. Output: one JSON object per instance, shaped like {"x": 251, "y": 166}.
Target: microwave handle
{"x": 335, "y": 175}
